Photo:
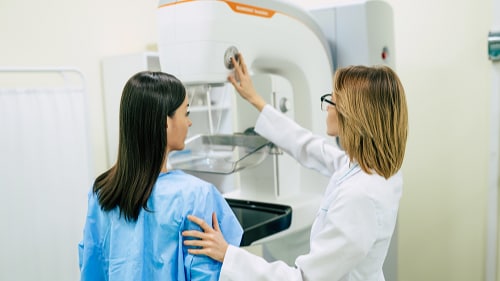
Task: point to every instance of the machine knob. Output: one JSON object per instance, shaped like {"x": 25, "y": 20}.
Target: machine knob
{"x": 230, "y": 52}
{"x": 284, "y": 105}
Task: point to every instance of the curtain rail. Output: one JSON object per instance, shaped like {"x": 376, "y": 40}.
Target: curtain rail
{"x": 64, "y": 72}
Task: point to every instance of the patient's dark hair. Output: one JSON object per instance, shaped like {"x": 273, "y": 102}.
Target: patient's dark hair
{"x": 147, "y": 99}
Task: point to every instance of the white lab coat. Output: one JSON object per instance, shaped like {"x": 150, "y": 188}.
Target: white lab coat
{"x": 354, "y": 224}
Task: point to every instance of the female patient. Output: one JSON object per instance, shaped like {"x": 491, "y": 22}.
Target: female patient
{"x": 137, "y": 209}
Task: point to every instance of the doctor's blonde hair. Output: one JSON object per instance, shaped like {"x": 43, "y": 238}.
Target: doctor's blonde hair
{"x": 373, "y": 117}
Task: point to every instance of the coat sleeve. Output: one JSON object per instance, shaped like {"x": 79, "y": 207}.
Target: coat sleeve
{"x": 241, "y": 265}
{"x": 312, "y": 151}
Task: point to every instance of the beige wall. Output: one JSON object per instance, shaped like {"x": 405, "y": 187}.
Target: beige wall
{"x": 441, "y": 59}
{"x": 76, "y": 34}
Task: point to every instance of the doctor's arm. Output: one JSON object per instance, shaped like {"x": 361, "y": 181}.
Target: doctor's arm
{"x": 310, "y": 150}
{"x": 238, "y": 264}
{"x": 348, "y": 234}
{"x": 242, "y": 82}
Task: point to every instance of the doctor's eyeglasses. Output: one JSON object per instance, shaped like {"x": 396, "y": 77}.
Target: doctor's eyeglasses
{"x": 326, "y": 101}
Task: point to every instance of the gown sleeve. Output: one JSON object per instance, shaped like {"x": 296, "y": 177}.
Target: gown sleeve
{"x": 310, "y": 150}
{"x": 203, "y": 267}
{"x": 90, "y": 256}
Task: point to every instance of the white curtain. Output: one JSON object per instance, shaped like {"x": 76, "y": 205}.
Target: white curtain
{"x": 44, "y": 179}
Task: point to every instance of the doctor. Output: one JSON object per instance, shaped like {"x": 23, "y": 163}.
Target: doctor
{"x": 355, "y": 222}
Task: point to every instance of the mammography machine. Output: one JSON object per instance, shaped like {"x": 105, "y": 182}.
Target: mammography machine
{"x": 292, "y": 54}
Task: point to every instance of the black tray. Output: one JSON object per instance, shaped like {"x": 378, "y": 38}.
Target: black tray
{"x": 259, "y": 219}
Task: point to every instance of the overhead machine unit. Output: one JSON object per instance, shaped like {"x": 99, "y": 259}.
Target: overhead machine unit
{"x": 292, "y": 54}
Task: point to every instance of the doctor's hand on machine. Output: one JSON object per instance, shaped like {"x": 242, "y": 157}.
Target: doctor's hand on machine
{"x": 353, "y": 227}
{"x": 243, "y": 83}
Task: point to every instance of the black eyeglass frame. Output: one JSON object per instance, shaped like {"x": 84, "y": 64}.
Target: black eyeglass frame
{"x": 324, "y": 99}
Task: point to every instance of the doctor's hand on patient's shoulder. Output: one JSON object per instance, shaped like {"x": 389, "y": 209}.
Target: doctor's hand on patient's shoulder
{"x": 242, "y": 82}
{"x": 210, "y": 242}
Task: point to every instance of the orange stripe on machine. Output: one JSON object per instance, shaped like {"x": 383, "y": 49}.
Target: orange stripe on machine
{"x": 250, "y": 10}
{"x": 236, "y": 7}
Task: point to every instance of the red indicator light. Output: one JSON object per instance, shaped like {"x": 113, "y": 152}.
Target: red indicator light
{"x": 385, "y": 53}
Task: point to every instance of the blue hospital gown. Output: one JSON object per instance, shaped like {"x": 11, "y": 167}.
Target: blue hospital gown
{"x": 151, "y": 248}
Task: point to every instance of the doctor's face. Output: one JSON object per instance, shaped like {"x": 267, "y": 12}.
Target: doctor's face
{"x": 332, "y": 122}
{"x": 177, "y": 127}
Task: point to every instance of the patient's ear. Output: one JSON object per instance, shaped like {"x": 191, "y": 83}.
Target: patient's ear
{"x": 168, "y": 121}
